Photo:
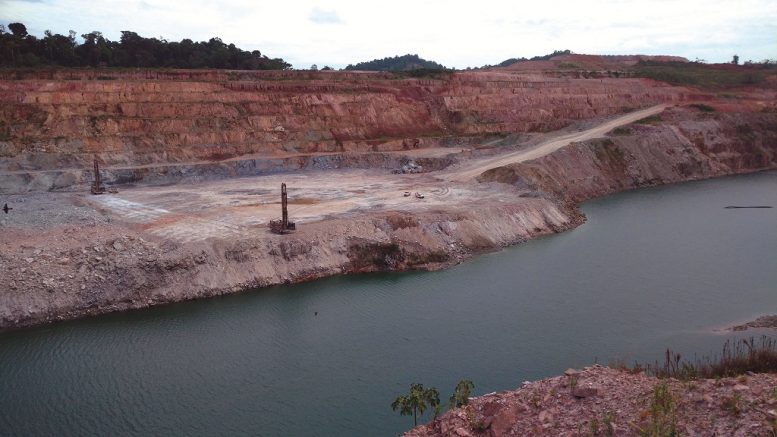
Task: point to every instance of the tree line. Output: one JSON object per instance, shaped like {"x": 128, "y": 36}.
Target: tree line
{"x": 20, "y": 49}
{"x": 397, "y": 63}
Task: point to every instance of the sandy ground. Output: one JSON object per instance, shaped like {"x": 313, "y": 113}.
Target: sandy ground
{"x": 228, "y": 208}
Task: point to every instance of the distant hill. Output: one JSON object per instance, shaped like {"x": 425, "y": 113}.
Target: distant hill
{"x": 512, "y": 61}
{"x": 397, "y": 63}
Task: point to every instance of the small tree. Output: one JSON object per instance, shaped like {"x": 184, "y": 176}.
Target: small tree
{"x": 19, "y": 30}
{"x": 416, "y": 402}
{"x": 461, "y": 394}
{"x": 735, "y": 60}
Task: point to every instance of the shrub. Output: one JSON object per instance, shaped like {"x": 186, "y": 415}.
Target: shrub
{"x": 702, "y": 107}
{"x": 622, "y": 130}
{"x": 737, "y": 358}
{"x": 663, "y": 420}
{"x": 653, "y": 119}
{"x": 461, "y": 393}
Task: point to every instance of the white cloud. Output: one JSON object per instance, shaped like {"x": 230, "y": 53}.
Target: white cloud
{"x": 455, "y": 33}
{"x": 321, "y": 16}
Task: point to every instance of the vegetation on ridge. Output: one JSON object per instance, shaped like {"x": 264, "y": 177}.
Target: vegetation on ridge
{"x": 419, "y": 399}
{"x": 20, "y": 49}
{"x": 737, "y": 358}
{"x": 547, "y": 57}
{"x": 397, "y": 63}
{"x": 416, "y": 401}
{"x": 705, "y": 75}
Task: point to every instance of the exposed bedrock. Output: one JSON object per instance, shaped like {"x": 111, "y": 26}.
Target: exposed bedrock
{"x": 79, "y": 274}
{"x": 68, "y": 271}
{"x": 60, "y": 120}
{"x": 682, "y": 144}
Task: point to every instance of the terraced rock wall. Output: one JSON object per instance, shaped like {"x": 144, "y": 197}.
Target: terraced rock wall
{"x": 682, "y": 144}
{"x": 60, "y": 119}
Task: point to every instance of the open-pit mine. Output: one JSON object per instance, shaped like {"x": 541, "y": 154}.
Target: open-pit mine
{"x": 384, "y": 171}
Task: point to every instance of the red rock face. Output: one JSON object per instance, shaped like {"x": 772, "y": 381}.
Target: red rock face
{"x": 59, "y": 119}
{"x": 682, "y": 144}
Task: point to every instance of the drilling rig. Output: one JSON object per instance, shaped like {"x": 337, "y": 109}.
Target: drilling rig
{"x": 97, "y": 185}
{"x": 283, "y": 225}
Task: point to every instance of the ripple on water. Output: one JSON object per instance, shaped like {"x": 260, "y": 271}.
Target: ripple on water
{"x": 649, "y": 270}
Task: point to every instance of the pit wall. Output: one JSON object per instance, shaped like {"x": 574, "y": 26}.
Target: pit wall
{"x": 682, "y": 144}
{"x": 61, "y": 119}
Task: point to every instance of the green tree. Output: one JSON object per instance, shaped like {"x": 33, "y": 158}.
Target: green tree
{"x": 416, "y": 402}
{"x": 19, "y": 30}
{"x": 18, "y": 48}
{"x": 461, "y": 394}
{"x": 735, "y": 60}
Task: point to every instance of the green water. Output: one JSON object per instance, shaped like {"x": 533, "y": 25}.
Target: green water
{"x": 651, "y": 269}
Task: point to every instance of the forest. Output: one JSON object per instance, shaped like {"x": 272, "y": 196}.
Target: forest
{"x": 397, "y": 63}
{"x": 20, "y": 49}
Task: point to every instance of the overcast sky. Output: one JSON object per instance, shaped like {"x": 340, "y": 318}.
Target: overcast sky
{"x": 454, "y": 33}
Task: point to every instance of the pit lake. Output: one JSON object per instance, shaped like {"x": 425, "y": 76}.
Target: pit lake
{"x": 652, "y": 269}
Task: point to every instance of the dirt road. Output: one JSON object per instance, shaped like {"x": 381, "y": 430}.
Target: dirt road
{"x": 466, "y": 171}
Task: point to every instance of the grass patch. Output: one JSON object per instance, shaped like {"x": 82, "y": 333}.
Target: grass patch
{"x": 738, "y": 358}
{"x": 622, "y": 130}
{"x": 663, "y": 418}
{"x": 745, "y": 133}
{"x": 606, "y": 150}
{"x": 433, "y": 256}
{"x": 653, "y": 119}
{"x": 604, "y": 427}
{"x": 5, "y": 131}
{"x": 401, "y": 222}
{"x": 702, "y": 107}
{"x": 733, "y": 404}
{"x": 703, "y": 75}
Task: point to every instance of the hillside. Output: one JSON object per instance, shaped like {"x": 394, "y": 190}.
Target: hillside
{"x": 397, "y": 63}
{"x": 54, "y": 123}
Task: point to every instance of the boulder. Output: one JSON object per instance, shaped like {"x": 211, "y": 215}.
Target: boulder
{"x": 585, "y": 391}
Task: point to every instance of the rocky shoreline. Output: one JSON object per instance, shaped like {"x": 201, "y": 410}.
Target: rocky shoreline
{"x": 70, "y": 276}
{"x": 601, "y": 401}
{"x": 768, "y": 321}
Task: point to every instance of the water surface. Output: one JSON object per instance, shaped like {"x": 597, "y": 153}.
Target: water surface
{"x": 651, "y": 269}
